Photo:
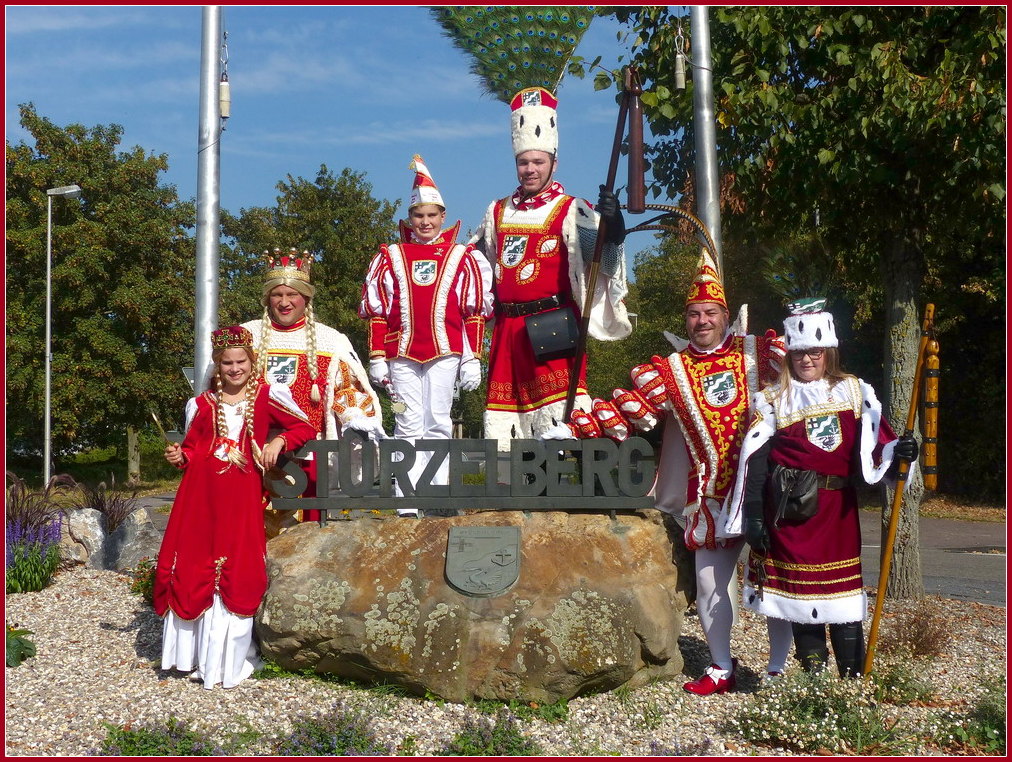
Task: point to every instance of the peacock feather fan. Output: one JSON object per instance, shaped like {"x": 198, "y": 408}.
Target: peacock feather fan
{"x": 515, "y": 47}
{"x": 803, "y": 267}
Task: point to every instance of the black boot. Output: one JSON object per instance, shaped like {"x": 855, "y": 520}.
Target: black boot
{"x": 848, "y": 648}
{"x": 810, "y": 646}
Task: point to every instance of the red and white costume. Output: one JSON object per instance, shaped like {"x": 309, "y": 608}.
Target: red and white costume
{"x": 813, "y": 571}
{"x": 540, "y": 247}
{"x": 426, "y": 304}
{"x": 342, "y": 384}
{"x": 705, "y": 397}
{"x": 345, "y": 392}
{"x": 211, "y": 573}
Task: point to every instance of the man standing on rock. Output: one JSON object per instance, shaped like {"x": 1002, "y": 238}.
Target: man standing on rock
{"x": 703, "y": 392}
{"x": 316, "y": 362}
{"x": 540, "y": 242}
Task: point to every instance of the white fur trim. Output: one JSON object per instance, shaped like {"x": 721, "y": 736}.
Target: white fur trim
{"x": 848, "y": 608}
{"x": 810, "y": 331}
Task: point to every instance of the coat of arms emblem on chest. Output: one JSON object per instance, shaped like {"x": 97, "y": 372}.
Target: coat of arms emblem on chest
{"x": 423, "y": 272}
{"x": 824, "y": 431}
{"x": 719, "y": 388}
{"x": 282, "y": 369}
{"x": 513, "y": 249}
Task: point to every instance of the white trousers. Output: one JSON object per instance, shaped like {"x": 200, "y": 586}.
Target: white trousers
{"x": 218, "y": 645}
{"x": 427, "y": 391}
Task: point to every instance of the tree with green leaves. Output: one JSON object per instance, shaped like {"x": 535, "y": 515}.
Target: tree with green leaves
{"x": 884, "y": 129}
{"x": 336, "y": 219}
{"x": 122, "y": 286}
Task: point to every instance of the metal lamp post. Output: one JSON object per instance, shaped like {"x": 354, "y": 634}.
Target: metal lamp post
{"x": 65, "y": 191}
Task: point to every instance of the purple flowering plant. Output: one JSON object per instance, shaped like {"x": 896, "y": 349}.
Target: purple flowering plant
{"x": 32, "y": 533}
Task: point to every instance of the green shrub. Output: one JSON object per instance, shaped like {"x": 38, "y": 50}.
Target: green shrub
{"x": 527, "y": 710}
{"x": 483, "y": 737}
{"x": 983, "y": 729}
{"x": 898, "y": 680}
{"x": 32, "y": 536}
{"x": 144, "y": 580}
{"x": 19, "y": 647}
{"x": 818, "y": 712}
{"x": 343, "y": 734}
{"x": 174, "y": 739}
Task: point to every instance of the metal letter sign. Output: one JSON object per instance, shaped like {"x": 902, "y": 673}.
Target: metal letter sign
{"x": 483, "y": 561}
{"x": 562, "y": 475}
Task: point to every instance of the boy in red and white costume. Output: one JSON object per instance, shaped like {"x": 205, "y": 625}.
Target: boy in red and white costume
{"x": 426, "y": 299}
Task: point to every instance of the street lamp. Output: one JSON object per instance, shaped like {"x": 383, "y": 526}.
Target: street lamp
{"x": 65, "y": 191}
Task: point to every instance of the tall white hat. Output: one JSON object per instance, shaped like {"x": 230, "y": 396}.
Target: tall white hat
{"x": 534, "y": 123}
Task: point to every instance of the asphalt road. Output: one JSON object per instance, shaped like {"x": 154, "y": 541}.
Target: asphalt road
{"x": 965, "y": 560}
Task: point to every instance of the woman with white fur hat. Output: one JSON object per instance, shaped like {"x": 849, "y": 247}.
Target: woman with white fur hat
{"x": 815, "y": 433}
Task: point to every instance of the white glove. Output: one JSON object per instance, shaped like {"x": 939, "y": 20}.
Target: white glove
{"x": 469, "y": 374}
{"x": 557, "y": 431}
{"x": 369, "y": 426}
{"x": 378, "y": 370}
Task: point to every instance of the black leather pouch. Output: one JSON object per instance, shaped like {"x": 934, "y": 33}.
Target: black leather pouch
{"x": 553, "y": 334}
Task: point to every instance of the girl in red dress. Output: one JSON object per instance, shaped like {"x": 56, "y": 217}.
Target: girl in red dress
{"x": 211, "y": 573}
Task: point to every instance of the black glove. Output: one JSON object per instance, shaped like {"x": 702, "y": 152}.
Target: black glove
{"x": 608, "y": 208}
{"x": 756, "y": 534}
{"x": 906, "y": 448}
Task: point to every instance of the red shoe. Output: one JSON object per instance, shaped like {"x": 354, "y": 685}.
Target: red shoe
{"x": 707, "y": 685}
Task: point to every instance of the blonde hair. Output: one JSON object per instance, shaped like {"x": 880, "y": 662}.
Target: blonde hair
{"x": 833, "y": 372}
{"x": 235, "y": 455}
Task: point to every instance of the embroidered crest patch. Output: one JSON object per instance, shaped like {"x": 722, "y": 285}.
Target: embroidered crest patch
{"x": 824, "y": 431}
{"x": 719, "y": 388}
{"x": 513, "y": 249}
{"x": 282, "y": 369}
{"x": 423, "y": 272}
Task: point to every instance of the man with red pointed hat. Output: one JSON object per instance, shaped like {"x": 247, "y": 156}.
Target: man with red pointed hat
{"x": 540, "y": 242}
{"x": 426, "y": 299}
{"x": 703, "y": 392}
{"x": 316, "y": 362}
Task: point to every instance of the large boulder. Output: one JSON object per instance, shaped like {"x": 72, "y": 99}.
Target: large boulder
{"x": 598, "y": 603}
{"x": 136, "y": 538}
{"x": 83, "y": 540}
{"x": 82, "y": 537}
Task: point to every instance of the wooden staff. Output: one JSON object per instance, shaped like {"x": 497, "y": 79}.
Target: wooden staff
{"x": 929, "y": 442}
{"x": 901, "y": 480}
{"x": 631, "y": 92}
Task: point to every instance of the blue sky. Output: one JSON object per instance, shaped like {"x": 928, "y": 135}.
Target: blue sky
{"x": 363, "y": 87}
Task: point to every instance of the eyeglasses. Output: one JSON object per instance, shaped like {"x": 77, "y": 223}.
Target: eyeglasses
{"x": 813, "y": 354}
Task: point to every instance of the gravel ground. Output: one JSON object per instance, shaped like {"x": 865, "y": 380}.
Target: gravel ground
{"x": 99, "y": 648}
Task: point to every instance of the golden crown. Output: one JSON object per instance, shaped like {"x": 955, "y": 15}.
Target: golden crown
{"x": 290, "y": 265}
{"x": 235, "y": 336}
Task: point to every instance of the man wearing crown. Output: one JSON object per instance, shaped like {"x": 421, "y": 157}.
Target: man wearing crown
{"x": 315, "y": 361}
{"x": 702, "y": 392}
{"x": 540, "y": 242}
{"x": 426, "y": 299}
